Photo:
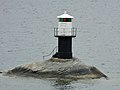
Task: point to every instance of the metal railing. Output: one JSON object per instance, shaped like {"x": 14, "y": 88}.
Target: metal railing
{"x": 51, "y": 53}
{"x": 65, "y": 32}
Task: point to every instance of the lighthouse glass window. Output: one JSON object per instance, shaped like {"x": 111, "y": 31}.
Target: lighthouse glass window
{"x": 64, "y": 19}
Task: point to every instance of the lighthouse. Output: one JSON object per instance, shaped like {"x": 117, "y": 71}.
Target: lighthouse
{"x": 64, "y": 32}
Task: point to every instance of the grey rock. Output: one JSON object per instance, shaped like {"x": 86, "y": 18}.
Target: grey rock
{"x": 58, "y": 68}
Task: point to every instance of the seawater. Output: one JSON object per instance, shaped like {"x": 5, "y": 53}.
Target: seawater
{"x": 26, "y": 35}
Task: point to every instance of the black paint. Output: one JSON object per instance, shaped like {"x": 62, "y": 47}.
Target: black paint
{"x": 64, "y": 48}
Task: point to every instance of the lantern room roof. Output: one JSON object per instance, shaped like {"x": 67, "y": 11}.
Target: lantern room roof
{"x": 65, "y": 15}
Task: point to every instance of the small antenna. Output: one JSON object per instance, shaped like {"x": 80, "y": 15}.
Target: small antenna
{"x": 65, "y": 12}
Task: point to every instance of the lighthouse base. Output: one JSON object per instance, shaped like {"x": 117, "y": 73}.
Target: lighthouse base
{"x": 63, "y": 55}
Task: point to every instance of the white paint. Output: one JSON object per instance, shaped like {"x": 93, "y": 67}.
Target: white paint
{"x": 65, "y": 15}
{"x": 65, "y": 28}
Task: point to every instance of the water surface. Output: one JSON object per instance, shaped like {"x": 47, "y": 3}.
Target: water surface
{"x": 26, "y": 34}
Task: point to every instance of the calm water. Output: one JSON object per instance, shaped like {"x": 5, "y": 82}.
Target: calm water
{"x": 26, "y": 34}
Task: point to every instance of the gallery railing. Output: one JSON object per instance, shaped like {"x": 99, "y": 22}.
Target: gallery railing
{"x": 65, "y": 32}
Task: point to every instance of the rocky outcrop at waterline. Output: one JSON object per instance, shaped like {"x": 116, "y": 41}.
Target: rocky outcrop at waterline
{"x": 58, "y": 68}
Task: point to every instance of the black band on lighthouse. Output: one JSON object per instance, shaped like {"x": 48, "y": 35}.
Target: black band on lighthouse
{"x": 64, "y": 48}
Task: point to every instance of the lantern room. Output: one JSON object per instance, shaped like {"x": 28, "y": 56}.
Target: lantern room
{"x": 65, "y": 26}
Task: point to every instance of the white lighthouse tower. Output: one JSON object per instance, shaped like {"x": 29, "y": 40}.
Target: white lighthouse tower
{"x": 65, "y": 32}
